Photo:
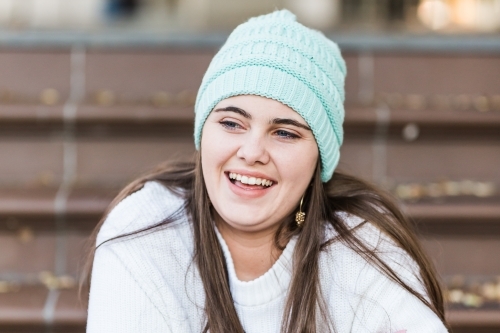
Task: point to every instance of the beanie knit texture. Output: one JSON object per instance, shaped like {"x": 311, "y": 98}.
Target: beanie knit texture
{"x": 276, "y": 57}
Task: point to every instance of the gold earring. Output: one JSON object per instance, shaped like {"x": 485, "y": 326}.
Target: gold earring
{"x": 300, "y": 216}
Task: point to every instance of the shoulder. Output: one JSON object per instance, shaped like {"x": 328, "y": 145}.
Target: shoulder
{"x": 146, "y": 207}
{"x": 364, "y": 296}
{"x": 365, "y": 231}
{"x": 150, "y": 271}
{"x": 155, "y": 259}
{"x": 356, "y": 261}
{"x": 356, "y": 268}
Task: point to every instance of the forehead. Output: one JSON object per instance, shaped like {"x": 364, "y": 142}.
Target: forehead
{"x": 258, "y": 106}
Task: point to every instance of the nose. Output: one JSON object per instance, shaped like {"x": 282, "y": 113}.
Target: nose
{"x": 253, "y": 149}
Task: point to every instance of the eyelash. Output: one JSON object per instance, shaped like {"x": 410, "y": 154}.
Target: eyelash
{"x": 288, "y": 135}
{"x": 231, "y": 125}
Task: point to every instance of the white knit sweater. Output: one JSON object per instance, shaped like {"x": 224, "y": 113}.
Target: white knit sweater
{"x": 149, "y": 283}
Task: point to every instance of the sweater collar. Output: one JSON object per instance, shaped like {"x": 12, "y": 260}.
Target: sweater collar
{"x": 267, "y": 287}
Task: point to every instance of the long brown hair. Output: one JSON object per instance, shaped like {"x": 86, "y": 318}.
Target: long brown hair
{"x": 323, "y": 202}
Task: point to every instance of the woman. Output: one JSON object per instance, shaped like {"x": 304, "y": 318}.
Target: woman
{"x": 260, "y": 234}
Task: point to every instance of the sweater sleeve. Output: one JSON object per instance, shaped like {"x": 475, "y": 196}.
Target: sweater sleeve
{"x": 117, "y": 302}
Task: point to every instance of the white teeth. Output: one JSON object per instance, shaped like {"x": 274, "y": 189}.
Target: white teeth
{"x": 250, "y": 180}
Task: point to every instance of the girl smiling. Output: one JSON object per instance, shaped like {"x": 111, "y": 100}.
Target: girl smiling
{"x": 260, "y": 233}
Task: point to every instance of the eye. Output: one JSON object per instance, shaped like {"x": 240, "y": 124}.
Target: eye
{"x": 230, "y": 125}
{"x": 286, "y": 135}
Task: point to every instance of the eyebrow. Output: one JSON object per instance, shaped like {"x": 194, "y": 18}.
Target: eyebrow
{"x": 275, "y": 121}
{"x": 287, "y": 121}
{"x": 235, "y": 109}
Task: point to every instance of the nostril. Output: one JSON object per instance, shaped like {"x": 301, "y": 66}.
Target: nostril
{"x": 253, "y": 153}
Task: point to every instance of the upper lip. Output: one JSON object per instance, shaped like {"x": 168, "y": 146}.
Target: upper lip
{"x": 252, "y": 174}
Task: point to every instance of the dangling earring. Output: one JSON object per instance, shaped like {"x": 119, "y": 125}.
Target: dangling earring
{"x": 300, "y": 216}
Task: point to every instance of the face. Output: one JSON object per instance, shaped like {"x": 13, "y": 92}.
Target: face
{"x": 258, "y": 158}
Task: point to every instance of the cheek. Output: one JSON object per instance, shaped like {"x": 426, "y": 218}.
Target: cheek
{"x": 216, "y": 150}
{"x": 297, "y": 165}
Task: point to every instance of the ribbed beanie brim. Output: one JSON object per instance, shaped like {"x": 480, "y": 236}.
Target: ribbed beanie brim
{"x": 276, "y": 57}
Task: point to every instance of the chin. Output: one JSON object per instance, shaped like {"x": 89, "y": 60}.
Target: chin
{"x": 243, "y": 219}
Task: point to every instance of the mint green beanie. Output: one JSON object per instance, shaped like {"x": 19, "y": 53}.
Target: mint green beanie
{"x": 276, "y": 57}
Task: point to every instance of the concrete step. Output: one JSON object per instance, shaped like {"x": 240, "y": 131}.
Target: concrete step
{"x": 38, "y": 309}
{"x": 106, "y": 149}
{"x": 131, "y": 75}
{"x": 149, "y": 113}
{"x": 30, "y": 204}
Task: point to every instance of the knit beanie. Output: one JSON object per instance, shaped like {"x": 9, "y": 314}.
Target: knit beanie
{"x": 276, "y": 57}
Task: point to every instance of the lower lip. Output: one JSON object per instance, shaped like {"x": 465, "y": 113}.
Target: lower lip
{"x": 248, "y": 192}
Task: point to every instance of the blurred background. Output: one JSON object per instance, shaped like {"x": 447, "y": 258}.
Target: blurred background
{"x": 95, "y": 92}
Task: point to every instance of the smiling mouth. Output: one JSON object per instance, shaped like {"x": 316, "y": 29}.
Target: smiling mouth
{"x": 249, "y": 182}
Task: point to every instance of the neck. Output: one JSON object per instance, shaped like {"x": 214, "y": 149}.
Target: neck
{"x": 253, "y": 253}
